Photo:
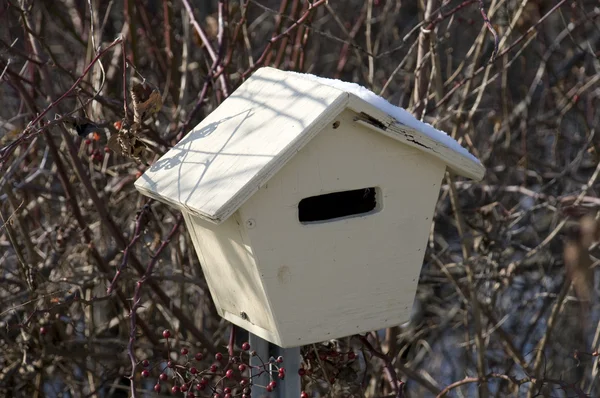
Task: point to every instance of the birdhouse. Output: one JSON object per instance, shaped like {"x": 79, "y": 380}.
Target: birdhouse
{"x": 309, "y": 202}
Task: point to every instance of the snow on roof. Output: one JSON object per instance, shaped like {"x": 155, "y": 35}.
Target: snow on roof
{"x": 239, "y": 146}
{"x": 400, "y": 114}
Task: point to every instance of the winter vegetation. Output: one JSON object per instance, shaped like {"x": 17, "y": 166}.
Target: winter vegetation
{"x": 101, "y": 292}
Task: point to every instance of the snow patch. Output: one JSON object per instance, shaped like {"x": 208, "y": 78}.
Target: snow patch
{"x": 400, "y": 114}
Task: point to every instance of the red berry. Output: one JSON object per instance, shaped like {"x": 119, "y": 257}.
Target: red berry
{"x": 242, "y": 367}
{"x": 88, "y": 141}
{"x": 175, "y": 389}
{"x": 269, "y": 388}
{"x": 184, "y": 351}
{"x": 157, "y": 387}
{"x": 243, "y": 382}
{"x": 303, "y": 395}
{"x": 351, "y": 355}
{"x": 200, "y": 387}
{"x": 193, "y": 370}
{"x": 190, "y": 394}
{"x": 43, "y": 331}
{"x": 218, "y": 356}
{"x": 227, "y": 396}
{"x": 106, "y": 149}
{"x": 198, "y": 356}
{"x": 279, "y": 359}
{"x": 273, "y": 384}
{"x": 166, "y": 333}
{"x": 253, "y": 353}
{"x": 229, "y": 374}
{"x": 118, "y": 124}
{"x": 213, "y": 368}
{"x": 227, "y": 390}
{"x": 246, "y": 346}
{"x": 163, "y": 377}
{"x": 333, "y": 354}
{"x": 145, "y": 363}
{"x": 184, "y": 388}
{"x": 145, "y": 373}
{"x": 204, "y": 381}
{"x": 301, "y": 371}
{"x": 171, "y": 364}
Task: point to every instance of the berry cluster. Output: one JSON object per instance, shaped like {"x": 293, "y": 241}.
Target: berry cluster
{"x": 335, "y": 361}
{"x": 228, "y": 376}
{"x": 96, "y": 155}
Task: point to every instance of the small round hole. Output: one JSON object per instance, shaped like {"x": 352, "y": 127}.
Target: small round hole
{"x": 336, "y": 124}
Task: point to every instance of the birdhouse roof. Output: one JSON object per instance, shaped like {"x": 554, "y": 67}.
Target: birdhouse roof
{"x": 236, "y": 149}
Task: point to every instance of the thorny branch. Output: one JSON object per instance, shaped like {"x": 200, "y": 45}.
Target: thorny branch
{"x": 510, "y": 261}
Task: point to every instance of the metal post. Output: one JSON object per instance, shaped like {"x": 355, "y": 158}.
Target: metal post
{"x": 290, "y": 386}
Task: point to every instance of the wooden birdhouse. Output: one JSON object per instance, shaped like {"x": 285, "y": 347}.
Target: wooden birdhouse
{"x": 309, "y": 202}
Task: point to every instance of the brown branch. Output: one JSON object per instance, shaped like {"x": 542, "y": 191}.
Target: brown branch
{"x": 139, "y": 223}
{"x": 137, "y": 298}
{"x": 260, "y": 61}
{"x": 396, "y": 384}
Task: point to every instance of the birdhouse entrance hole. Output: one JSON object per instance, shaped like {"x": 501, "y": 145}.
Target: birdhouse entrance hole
{"x": 336, "y": 205}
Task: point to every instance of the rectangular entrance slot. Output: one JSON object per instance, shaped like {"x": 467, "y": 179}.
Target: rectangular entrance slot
{"x": 336, "y": 205}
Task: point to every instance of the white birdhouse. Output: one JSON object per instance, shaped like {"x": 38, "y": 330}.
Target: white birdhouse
{"x": 309, "y": 202}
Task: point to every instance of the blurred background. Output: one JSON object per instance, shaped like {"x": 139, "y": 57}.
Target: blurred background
{"x": 507, "y": 303}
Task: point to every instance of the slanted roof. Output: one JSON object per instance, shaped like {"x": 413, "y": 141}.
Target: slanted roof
{"x": 224, "y": 160}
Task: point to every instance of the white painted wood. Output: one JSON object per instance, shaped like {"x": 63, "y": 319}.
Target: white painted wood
{"x": 334, "y": 279}
{"x": 298, "y": 284}
{"x": 213, "y": 170}
{"x": 240, "y": 175}
{"x": 389, "y": 126}
{"x": 241, "y": 144}
{"x": 231, "y": 272}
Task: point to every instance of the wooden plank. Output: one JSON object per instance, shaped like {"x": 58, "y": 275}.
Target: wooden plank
{"x": 213, "y": 170}
{"x": 374, "y": 119}
{"x": 242, "y": 143}
{"x": 332, "y": 279}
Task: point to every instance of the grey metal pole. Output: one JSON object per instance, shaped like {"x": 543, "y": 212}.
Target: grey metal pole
{"x": 290, "y": 386}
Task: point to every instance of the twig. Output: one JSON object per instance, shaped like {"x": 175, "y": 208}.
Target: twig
{"x": 421, "y": 72}
{"x": 503, "y": 52}
{"x": 136, "y": 236}
{"x": 397, "y": 384}
{"x": 259, "y": 62}
{"x": 137, "y": 298}
{"x": 209, "y": 48}
{"x": 488, "y": 24}
{"x": 466, "y": 245}
{"x": 27, "y": 133}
